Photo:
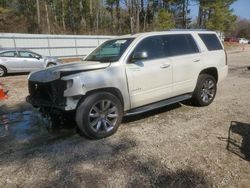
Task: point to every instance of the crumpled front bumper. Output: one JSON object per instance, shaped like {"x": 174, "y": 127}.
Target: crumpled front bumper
{"x": 50, "y": 94}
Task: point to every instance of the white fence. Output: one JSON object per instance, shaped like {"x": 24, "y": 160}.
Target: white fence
{"x": 53, "y": 45}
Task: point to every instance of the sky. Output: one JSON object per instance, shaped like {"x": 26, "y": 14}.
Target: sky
{"x": 241, "y": 8}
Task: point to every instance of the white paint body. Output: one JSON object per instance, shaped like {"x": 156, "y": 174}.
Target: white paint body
{"x": 146, "y": 81}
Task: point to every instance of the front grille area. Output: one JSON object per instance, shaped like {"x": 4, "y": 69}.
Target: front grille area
{"x": 47, "y": 94}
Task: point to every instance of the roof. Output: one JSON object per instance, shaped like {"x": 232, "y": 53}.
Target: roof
{"x": 172, "y": 31}
{"x": 13, "y": 49}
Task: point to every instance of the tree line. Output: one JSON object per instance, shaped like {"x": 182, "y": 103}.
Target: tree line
{"x": 113, "y": 16}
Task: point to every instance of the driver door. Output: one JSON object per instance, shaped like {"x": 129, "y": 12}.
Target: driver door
{"x": 29, "y": 61}
{"x": 150, "y": 79}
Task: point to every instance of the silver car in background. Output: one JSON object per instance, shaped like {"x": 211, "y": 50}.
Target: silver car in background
{"x": 19, "y": 60}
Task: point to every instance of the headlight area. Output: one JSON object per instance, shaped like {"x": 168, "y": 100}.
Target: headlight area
{"x": 69, "y": 83}
{"x": 74, "y": 86}
{"x": 73, "y": 93}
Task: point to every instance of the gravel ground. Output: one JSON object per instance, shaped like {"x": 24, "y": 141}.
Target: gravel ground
{"x": 176, "y": 146}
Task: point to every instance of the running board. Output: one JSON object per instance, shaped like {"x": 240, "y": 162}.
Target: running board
{"x": 156, "y": 105}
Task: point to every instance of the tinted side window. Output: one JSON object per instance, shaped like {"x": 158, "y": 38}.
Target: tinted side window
{"x": 211, "y": 41}
{"x": 154, "y": 46}
{"x": 27, "y": 54}
{"x": 179, "y": 44}
{"x": 8, "y": 54}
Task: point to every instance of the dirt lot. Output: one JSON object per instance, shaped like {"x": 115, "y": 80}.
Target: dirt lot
{"x": 176, "y": 146}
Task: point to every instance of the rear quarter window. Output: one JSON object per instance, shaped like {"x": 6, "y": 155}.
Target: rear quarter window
{"x": 8, "y": 54}
{"x": 211, "y": 41}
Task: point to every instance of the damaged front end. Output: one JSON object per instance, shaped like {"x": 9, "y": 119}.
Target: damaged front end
{"x": 56, "y": 91}
{"x": 48, "y": 87}
{"x": 49, "y": 94}
{"x": 49, "y": 99}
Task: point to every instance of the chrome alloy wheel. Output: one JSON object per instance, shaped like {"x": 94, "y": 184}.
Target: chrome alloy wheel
{"x": 208, "y": 91}
{"x": 1, "y": 72}
{"x": 103, "y": 116}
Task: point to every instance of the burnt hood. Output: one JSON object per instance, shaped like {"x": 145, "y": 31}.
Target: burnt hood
{"x": 55, "y": 72}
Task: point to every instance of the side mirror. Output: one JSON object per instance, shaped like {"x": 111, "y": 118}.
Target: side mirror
{"x": 139, "y": 56}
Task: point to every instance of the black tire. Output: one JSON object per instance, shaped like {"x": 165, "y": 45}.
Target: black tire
{"x": 3, "y": 71}
{"x": 99, "y": 115}
{"x": 205, "y": 90}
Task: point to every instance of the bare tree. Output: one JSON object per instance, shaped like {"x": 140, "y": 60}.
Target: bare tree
{"x": 63, "y": 15}
{"x": 47, "y": 16}
{"x": 38, "y": 13}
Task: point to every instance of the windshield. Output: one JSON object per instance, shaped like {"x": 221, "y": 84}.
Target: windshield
{"x": 110, "y": 51}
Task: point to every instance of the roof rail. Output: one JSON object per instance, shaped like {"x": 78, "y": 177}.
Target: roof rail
{"x": 189, "y": 30}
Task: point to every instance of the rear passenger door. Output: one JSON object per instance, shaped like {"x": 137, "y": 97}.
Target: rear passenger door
{"x": 186, "y": 62}
{"x": 10, "y": 60}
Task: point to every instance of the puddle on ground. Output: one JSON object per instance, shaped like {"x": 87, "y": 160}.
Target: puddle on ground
{"x": 26, "y": 128}
{"x": 21, "y": 126}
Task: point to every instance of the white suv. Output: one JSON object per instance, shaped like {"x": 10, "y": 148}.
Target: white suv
{"x": 130, "y": 75}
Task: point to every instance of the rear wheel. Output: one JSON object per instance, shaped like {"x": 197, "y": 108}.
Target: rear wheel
{"x": 3, "y": 71}
{"x": 205, "y": 90}
{"x": 99, "y": 115}
{"x": 51, "y": 64}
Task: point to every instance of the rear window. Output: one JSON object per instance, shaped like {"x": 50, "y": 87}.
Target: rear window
{"x": 8, "y": 54}
{"x": 211, "y": 41}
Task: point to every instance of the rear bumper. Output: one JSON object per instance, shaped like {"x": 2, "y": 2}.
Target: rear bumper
{"x": 223, "y": 73}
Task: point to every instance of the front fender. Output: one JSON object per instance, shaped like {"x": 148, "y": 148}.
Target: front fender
{"x": 75, "y": 86}
{"x": 112, "y": 77}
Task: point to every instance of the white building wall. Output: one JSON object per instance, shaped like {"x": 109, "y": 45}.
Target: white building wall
{"x": 53, "y": 45}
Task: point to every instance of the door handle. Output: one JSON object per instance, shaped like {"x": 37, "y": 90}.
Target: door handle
{"x": 165, "y": 66}
{"x": 196, "y": 60}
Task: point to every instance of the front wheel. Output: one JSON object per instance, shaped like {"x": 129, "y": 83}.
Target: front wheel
{"x": 205, "y": 90}
{"x": 99, "y": 115}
